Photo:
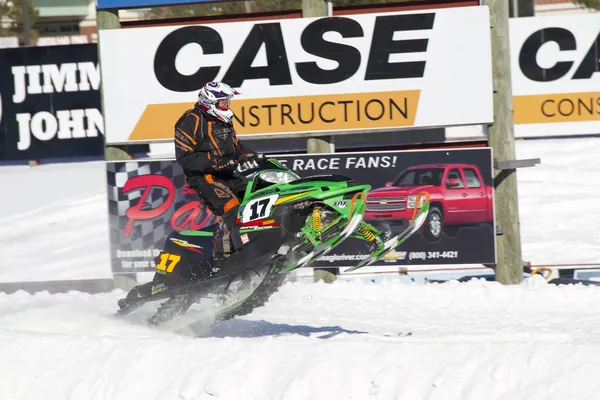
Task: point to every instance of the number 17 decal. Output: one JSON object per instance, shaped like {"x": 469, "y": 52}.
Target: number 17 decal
{"x": 259, "y": 208}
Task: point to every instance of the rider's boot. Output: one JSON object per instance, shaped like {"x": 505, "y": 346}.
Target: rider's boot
{"x": 226, "y": 242}
{"x": 155, "y": 286}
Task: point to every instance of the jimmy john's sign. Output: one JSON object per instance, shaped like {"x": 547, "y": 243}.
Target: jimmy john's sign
{"x": 328, "y": 75}
{"x": 50, "y": 106}
{"x": 556, "y": 74}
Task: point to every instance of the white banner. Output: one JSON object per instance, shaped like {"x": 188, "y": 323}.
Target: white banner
{"x": 556, "y": 74}
{"x": 352, "y": 73}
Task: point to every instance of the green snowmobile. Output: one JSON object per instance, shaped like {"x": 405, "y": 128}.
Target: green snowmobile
{"x": 286, "y": 222}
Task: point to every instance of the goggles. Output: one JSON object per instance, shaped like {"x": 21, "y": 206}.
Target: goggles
{"x": 223, "y": 104}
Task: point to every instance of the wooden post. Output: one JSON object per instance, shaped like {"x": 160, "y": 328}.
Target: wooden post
{"x": 521, "y": 8}
{"x": 26, "y": 23}
{"x": 526, "y": 8}
{"x": 509, "y": 267}
{"x": 250, "y": 6}
{"x": 109, "y": 19}
{"x": 324, "y": 144}
{"x": 513, "y": 8}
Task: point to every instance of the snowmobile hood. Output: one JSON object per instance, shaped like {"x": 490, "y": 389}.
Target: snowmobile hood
{"x": 328, "y": 178}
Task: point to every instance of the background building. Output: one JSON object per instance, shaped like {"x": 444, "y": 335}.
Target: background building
{"x": 71, "y": 21}
{"x": 552, "y": 7}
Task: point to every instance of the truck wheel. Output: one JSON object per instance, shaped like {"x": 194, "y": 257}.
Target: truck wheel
{"x": 434, "y": 224}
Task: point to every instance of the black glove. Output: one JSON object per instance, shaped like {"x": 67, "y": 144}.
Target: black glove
{"x": 249, "y": 157}
{"x": 248, "y": 161}
{"x": 223, "y": 163}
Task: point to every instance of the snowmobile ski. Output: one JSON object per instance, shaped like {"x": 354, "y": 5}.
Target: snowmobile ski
{"x": 326, "y": 247}
{"x": 397, "y": 240}
{"x": 163, "y": 292}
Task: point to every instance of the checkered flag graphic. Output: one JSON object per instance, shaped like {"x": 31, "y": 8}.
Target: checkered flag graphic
{"x": 138, "y": 231}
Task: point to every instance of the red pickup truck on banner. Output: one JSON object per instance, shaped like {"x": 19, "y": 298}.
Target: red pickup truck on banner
{"x": 458, "y": 194}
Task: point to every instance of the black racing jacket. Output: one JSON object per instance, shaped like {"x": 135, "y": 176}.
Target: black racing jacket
{"x": 200, "y": 139}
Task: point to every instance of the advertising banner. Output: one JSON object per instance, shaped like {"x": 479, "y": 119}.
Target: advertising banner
{"x": 556, "y": 74}
{"x": 150, "y": 199}
{"x": 147, "y": 200}
{"x": 359, "y": 73}
{"x": 50, "y": 102}
{"x": 120, "y": 4}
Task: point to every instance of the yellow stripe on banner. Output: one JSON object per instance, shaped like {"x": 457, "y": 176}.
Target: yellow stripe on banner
{"x": 158, "y": 121}
{"x": 563, "y": 107}
{"x": 295, "y": 114}
{"x": 288, "y": 198}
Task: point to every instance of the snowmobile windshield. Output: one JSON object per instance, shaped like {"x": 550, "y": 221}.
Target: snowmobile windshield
{"x": 278, "y": 176}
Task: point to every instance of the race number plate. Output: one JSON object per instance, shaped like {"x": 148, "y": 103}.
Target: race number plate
{"x": 259, "y": 208}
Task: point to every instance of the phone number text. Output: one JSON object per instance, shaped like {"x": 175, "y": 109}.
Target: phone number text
{"x": 426, "y": 255}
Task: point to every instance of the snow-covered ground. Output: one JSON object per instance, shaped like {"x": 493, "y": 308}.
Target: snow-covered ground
{"x": 348, "y": 340}
{"x": 54, "y": 222}
{"x": 559, "y": 201}
{"x": 458, "y": 341}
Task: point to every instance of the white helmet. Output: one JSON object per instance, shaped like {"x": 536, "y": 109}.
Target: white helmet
{"x": 214, "y": 98}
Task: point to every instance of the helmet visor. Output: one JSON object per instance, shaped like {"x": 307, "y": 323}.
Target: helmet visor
{"x": 223, "y": 104}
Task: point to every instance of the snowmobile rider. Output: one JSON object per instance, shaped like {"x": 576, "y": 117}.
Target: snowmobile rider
{"x": 208, "y": 150}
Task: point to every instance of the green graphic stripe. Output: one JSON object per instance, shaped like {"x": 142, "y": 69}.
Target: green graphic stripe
{"x": 196, "y": 233}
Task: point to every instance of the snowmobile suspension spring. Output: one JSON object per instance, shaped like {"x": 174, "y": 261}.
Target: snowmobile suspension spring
{"x": 316, "y": 219}
{"x": 367, "y": 234}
